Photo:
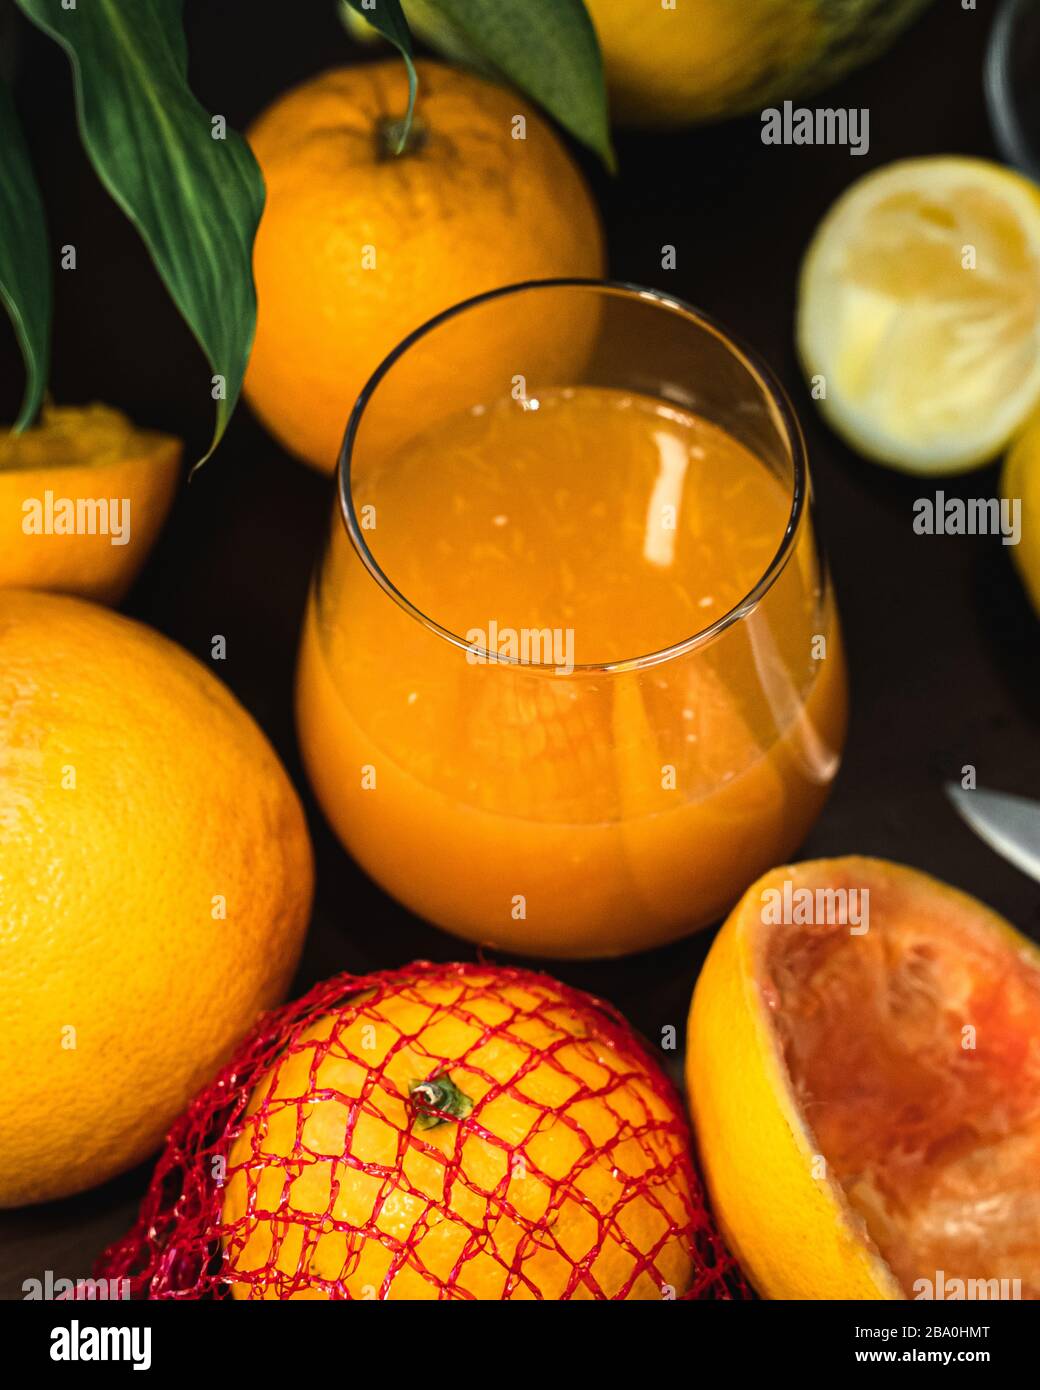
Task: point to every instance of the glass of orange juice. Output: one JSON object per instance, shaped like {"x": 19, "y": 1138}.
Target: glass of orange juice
{"x": 571, "y": 675}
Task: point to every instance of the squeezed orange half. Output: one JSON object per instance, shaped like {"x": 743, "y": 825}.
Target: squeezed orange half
{"x": 865, "y": 1088}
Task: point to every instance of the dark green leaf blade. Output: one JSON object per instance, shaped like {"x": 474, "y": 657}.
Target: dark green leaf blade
{"x": 547, "y": 48}
{"x": 25, "y": 270}
{"x": 195, "y": 199}
{"x": 387, "y": 17}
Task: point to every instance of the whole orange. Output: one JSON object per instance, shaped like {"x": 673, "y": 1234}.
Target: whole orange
{"x": 359, "y": 245}
{"x": 155, "y": 885}
{"x": 462, "y": 1131}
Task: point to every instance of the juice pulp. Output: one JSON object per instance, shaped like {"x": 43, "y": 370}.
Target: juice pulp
{"x": 569, "y": 812}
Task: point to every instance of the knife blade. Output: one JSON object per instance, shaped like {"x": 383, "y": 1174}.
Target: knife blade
{"x": 1008, "y": 824}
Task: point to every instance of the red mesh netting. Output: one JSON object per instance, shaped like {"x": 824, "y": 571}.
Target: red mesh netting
{"x": 443, "y": 1131}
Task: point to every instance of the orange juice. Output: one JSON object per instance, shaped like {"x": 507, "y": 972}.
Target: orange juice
{"x": 578, "y": 773}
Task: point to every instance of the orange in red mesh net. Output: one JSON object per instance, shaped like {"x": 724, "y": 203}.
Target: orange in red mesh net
{"x": 442, "y": 1131}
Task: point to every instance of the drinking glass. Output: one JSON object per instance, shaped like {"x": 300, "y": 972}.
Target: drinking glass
{"x": 571, "y": 674}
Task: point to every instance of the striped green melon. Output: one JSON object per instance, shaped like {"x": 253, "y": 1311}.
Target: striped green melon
{"x": 677, "y": 61}
{"x": 672, "y": 62}
{"x": 707, "y": 59}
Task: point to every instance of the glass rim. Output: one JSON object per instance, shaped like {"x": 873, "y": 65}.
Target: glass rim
{"x": 759, "y": 371}
{"x": 1001, "y": 93}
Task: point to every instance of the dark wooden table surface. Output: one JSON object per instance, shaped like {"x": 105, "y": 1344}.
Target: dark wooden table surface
{"x": 944, "y": 652}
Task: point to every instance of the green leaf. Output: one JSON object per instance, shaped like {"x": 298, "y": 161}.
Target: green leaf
{"x": 547, "y": 48}
{"x": 25, "y": 271}
{"x": 387, "y": 17}
{"x": 195, "y": 199}
{"x": 358, "y": 28}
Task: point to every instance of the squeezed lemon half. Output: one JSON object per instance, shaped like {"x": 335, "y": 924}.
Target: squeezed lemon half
{"x": 919, "y": 312}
